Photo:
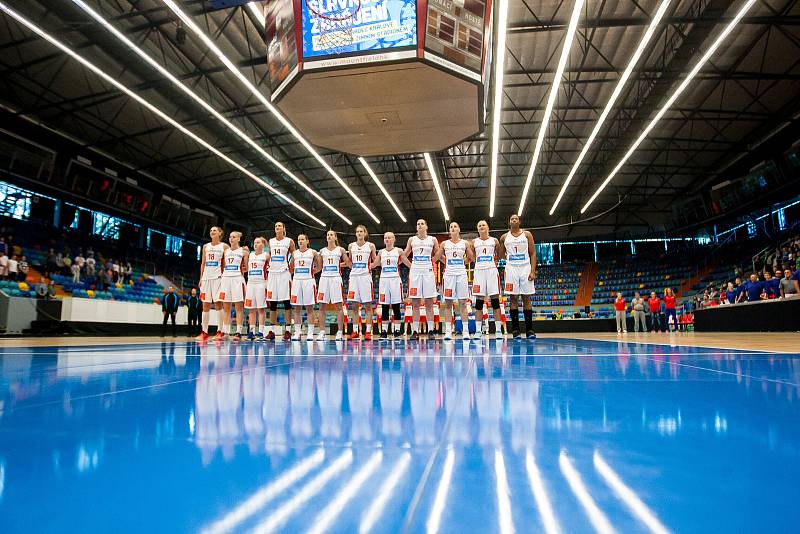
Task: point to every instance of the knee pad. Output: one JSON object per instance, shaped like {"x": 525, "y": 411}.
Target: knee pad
{"x": 479, "y": 304}
{"x": 273, "y": 305}
{"x": 495, "y": 303}
{"x": 396, "y": 311}
{"x": 287, "y": 305}
{"x": 384, "y": 312}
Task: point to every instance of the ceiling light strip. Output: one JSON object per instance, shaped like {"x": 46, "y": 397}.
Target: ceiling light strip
{"x": 194, "y": 96}
{"x": 551, "y": 99}
{"x": 682, "y": 87}
{"x": 257, "y": 13}
{"x": 111, "y": 80}
{"x": 380, "y": 186}
{"x": 651, "y": 30}
{"x": 264, "y": 101}
{"x": 497, "y": 102}
{"x": 436, "y": 185}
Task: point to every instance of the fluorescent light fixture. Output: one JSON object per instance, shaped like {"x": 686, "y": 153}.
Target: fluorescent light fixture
{"x": 596, "y": 516}
{"x": 264, "y": 101}
{"x": 194, "y": 96}
{"x": 257, "y": 13}
{"x": 281, "y": 514}
{"x": 441, "y": 494}
{"x": 551, "y": 99}
{"x": 255, "y": 502}
{"x": 380, "y": 186}
{"x": 376, "y": 508}
{"x": 651, "y": 30}
{"x": 344, "y": 494}
{"x": 504, "y": 517}
{"x": 497, "y": 103}
{"x": 681, "y": 88}
{"x": 436, "y": 185}
{"x": 628, "y": 496}
{"x": 156, "y": 111}
{"x": 540, "y": 495}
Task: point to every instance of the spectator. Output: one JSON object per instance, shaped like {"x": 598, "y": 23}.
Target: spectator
{"x": 169, "y": 306}
{"x": 730, "y": 294}
{"x": 3, "y": 265}
{"x": 51, "y": 289}
{"x": 740, "y": 290}
{"x": 789, "y": 285}
{"x": 638, "y": 313}
{"x": 23, "y": 269}
{"x": 67, "y": 265}
{"x": 41, "y": 289}
{"x": 772, "y": 286}
{"x": 80, "y": 261}
{"x": 60, "y": 263}
{"x": 115, "y": 271}
{"x": 752, "y": 289}
{"x": 670, "y": 308}
{"x": 50, "y": 263}
{"x": 619, "y": 307}
{"x": 91, "y": 265}
{"x": 76, "y": 273}
{"x": 13, "y": 271}
{"x": 194, "y": 307}
{"x": 3, "y": 246}
{"x": 128, "y": 272}
{"x": 655, "y": 312}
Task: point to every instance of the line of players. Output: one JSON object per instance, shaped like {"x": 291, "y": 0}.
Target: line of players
{"x": 280, "y": 273}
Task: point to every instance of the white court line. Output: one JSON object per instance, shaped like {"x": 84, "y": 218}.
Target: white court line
{"x": 596, "y": 516}
{"x": 335, "y": 507}
{"x": 280, "y": 515}
{"x": 540, "y": 495}
{"x": 504, "y": 518}
{"x": 263, "y": 495}
{"x": 441, "y": 494}
{"x": 729, "y": 373}
{"x": 628, "y": 496}
{"x": 376, "y": 508}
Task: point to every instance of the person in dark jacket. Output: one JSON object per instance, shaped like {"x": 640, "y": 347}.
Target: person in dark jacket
{"x": 195, "y": 308}
{"x": 169, "y": 306}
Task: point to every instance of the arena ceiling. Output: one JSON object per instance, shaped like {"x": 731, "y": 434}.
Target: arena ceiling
{"x": 749, "y": 89}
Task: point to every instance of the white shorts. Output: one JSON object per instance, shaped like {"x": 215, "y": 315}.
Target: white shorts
{"x": 231, "y": 289}
{"x": 485, "y": 282}
{"x": 390, "y": 291}
{"x": 421, "y": 285}
{"x": 331, "y": 290}
{"x": 209, "y": 290}
{"x": 255, "y": 296}
{"x": 278, "y": 286}
{"x": 360, "y": 289}
{"x": 455, "y": 287}
{"x": 516, "y": 281}
{"x": 304, "y": 292}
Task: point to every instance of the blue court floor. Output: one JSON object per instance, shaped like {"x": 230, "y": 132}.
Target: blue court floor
{"x": 556, "y": 435}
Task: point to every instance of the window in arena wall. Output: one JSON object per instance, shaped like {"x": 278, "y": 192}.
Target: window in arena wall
{"x": 105, "y": 225}
{"x": 15, "y": 202}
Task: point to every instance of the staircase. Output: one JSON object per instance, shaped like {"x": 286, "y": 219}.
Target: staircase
{"x": 688, "y": 283}
{"x": 588, "y": 277}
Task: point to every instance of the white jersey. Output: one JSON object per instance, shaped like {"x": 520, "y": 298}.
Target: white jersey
{"x": 330, "y": 262}
{"x": 389, "y": 263}
{"x": 360, "y": 256}
{"x": 256, "y": 268}
{"x": 517, "y": 249}
{"x": 484, "y": 253}
{"x": 279, "y": 255}
{"x": 454, "y": 254}
{"x": 233, "y": 262}
{"x": 303, "y": 264}
{"x": 422, "y": 253}
{"x": 213, "y": 254}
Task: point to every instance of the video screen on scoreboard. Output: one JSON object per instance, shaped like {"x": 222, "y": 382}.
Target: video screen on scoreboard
{"x": 282, "y": 55}
{"x": 455, "y": 31}
{"x": 375, "y": 25}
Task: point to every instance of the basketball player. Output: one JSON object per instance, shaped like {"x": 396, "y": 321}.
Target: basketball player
{"x": 455, "y": 287}
{"x": 279, "y": 280}
{"x": 390, "y": 287}
{"x": 232, "y": 288}
{"x": 211, "y": 280}
{"x": 255, "y": 298}
{"x": 421, "y": 280}
{"x": 486, "y": 279}
{"x": 361, "y": 255}
{"x": 331, "y": 288}
{"x": 520, "y": 273}
{"x": 304, "y": 288}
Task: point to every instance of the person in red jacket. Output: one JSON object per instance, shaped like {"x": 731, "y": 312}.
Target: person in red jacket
{"x": 620, "y": 306}
{"x": 669, "y": 304}
{"x": 655, "y": 313}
